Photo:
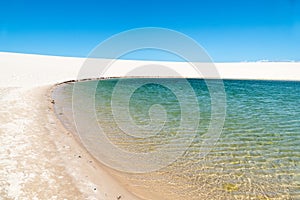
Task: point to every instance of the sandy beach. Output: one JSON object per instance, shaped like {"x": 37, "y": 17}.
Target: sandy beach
{"x": 39, "y": 158}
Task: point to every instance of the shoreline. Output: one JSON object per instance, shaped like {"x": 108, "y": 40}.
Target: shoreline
{"x": 101, "y": 176}
{"x": 174, "y": 77}
{"x": 110, "y": 174}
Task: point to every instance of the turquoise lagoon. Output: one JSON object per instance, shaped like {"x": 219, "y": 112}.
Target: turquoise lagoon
{"x": 256, "y": 156}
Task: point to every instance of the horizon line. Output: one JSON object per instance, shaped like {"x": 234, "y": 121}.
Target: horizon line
{"x": 81, "y": 57}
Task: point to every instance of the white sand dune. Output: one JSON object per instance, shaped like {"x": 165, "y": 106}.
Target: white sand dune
{"x": 39, "y": 159}
{"x": 22, "y": 70}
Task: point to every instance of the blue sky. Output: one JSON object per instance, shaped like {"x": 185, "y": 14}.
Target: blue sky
{"x": 229, "y": 30}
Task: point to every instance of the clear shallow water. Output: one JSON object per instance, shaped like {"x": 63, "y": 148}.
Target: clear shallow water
{"x": 256, "y": 157}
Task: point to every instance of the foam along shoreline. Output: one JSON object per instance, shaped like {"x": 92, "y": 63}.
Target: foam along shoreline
{"x": 38, "y": 157}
